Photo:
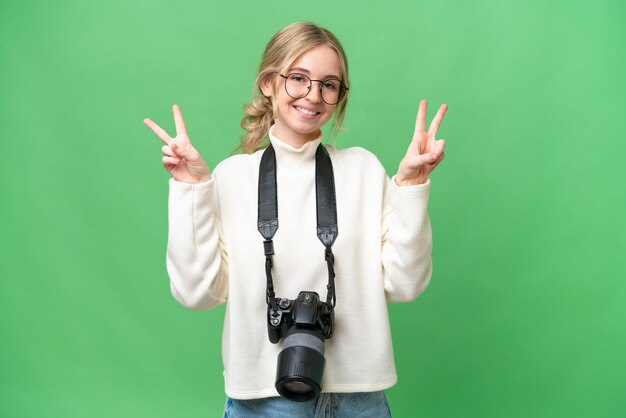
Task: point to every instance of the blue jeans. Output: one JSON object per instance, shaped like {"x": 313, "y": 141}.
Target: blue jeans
{"x": 325, "y": 405}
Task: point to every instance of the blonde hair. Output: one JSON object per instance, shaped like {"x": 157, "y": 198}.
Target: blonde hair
{"x": 281, "y": 51}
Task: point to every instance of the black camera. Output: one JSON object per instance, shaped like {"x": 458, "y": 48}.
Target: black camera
{"x": 304, "y": 323}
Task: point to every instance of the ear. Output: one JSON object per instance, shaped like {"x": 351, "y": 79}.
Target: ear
{"x": 266, "y": 86}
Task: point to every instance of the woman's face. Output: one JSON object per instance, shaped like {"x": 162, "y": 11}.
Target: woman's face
{"x": 294, "y": 122}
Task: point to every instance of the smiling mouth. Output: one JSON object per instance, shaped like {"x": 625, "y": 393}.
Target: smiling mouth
{"x": 305, "y": 111}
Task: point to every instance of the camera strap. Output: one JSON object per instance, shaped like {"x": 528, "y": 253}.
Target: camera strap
{"x": 326, "y": 214}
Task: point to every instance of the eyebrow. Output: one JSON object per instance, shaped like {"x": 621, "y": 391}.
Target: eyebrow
{"x": 307, "y": 71}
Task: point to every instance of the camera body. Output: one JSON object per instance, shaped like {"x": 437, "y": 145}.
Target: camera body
{"x": 304, "y": 323}
{"x": 306, "y": 312}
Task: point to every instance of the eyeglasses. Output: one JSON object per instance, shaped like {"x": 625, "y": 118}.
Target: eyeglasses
{"x": 299, "y": 85}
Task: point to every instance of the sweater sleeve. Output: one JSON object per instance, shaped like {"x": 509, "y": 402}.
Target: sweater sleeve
{"x": 406, "y": 241}
{"x": 197, "y": 261}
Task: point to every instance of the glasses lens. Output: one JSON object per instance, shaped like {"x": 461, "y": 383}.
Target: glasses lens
{"x": 297, "y": 85}
{"x": 331, "y": 91}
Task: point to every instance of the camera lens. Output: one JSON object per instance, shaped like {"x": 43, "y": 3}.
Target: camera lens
{"x": 301, "y": 365}
{"x": 297, "y": 387}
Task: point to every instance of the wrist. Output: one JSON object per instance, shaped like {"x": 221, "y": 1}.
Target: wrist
{"x": 400, "y": 181}
{"x": 203, "y": 179}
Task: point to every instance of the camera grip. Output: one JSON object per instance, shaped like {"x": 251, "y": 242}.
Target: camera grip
{"x": 274, "y": 324}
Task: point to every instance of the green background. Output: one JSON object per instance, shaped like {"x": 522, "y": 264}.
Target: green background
{"x": 525, "y": 313}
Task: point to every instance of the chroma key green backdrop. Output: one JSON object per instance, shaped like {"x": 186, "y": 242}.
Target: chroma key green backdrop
{"x": 525, "y": 314}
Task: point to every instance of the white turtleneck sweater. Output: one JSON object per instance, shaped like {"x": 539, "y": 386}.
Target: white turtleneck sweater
{"x": 382, "y": 254}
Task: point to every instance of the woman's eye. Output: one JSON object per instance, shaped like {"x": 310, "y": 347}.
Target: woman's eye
{"x": 330, "y": 85}
{"x": 297, "y": 77}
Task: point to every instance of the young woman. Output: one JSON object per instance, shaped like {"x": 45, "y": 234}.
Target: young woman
{"x": 382, "y": 251}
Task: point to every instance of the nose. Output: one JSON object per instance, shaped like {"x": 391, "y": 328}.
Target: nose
{"x": 315, "y": 92}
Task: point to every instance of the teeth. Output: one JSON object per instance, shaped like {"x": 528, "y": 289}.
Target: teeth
{"x": 305, "y": 111}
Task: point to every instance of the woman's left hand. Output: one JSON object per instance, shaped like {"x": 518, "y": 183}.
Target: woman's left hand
{"x": 425, "y": 152}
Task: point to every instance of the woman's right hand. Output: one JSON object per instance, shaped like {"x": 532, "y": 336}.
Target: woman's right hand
{"x": 180, "y": 158}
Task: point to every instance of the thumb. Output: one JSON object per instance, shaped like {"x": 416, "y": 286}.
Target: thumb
{"x": 180, "y": 152}
{"x": 422, "y": 159}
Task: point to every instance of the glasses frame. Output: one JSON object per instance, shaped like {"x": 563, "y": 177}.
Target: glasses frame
{"x": 342, "y": 93}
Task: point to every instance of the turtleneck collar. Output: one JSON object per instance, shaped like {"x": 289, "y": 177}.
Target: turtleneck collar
{"x": 289, "y": 158}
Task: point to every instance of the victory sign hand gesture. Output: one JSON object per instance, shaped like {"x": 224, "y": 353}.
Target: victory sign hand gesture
{"x": 424, "y": 153}
{"x": 180, "y": 158}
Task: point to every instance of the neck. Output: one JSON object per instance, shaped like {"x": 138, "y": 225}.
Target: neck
{"x": 296, "y": 140}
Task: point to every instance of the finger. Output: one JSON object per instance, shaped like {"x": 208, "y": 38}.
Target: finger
{"x": 434, "y": 125}
{"x": 176, "y": 149}
{"x": 430, "y": 167}
{"x": 168, "y": 151}
{"x": 440, "y": 159}
{"x": 420, "y": 122}
{"x": 435, "y": 152}
{"x": 157, "y": 130}
{"x": 421, "y": 160}
{"x": 438, "y": 147}
{"x": 441, "y": 144}
{"x": 180, "y": 123}
{"x": 185, "y": 151}
{"x": 421, "y": 116}
{"x": 170, "y": 160}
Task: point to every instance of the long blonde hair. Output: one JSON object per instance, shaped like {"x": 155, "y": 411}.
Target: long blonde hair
{"x": 281, "y": 51}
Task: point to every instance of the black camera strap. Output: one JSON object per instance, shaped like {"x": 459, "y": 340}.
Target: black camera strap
{"x": 326, "y": 214}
